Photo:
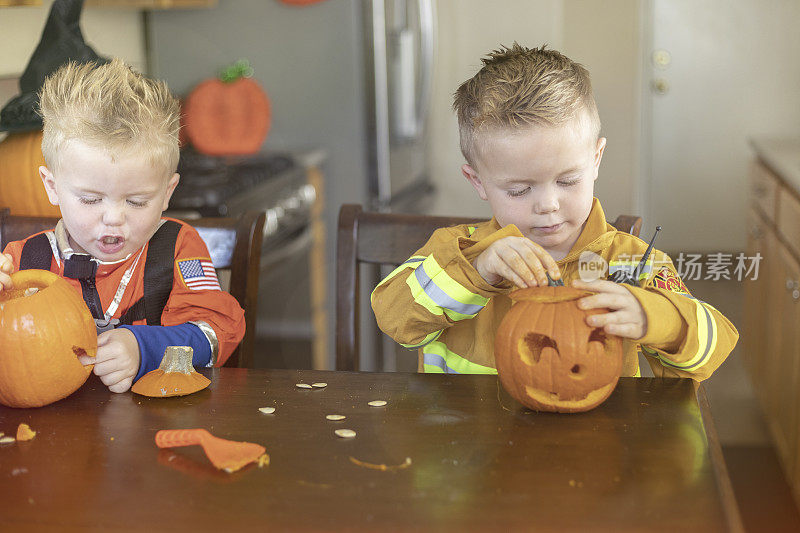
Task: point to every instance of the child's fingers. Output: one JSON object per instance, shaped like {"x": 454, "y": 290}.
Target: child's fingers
{"x": 515, "y": 259}
{"x": 529, "y": 264}
{"x": 106, "y": 362}
{"x": 605, "y": 300}
{"x": 115, "y": 378}
{"x": 545, "y": 259}
{"x": 6, "y": 264}
{"x": 509, "y": 271}
{"x": 5, "y": 282}
{"x": 121, "y": 386}
{"x": 105, "y": 337}
{"x": 628, "y": 330}
{"x": 86, "y": 360}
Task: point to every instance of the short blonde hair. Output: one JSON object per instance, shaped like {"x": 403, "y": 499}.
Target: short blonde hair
{"x": 113, "y": 107}
{"x": 518, "y": 87}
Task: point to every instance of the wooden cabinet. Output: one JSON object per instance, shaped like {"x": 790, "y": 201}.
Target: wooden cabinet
{"x": 772, "y": 312}
{"x": 759, "y": 241}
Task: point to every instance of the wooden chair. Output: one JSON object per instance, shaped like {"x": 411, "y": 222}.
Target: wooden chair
{"x": 235, "y": 244}
{"x": 386, "y": 239}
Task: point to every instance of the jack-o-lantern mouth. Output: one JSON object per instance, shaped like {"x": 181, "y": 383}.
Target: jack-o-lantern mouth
{"x": 552, "y": 399}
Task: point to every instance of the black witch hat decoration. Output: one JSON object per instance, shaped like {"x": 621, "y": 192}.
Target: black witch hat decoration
{"x": 61, "y": 42}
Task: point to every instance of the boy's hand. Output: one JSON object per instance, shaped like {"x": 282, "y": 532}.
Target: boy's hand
{"x": 117, "y": 360}
{"x": 517, "y": 259}
{"x": 6, "y": 268}
{"x": 627, "y": 317}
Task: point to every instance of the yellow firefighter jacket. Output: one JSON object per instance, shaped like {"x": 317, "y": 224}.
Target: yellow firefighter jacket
{"x": 438, "y": 303}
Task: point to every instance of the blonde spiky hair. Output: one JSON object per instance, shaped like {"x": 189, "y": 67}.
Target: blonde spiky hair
{"x": 113, "y": 107}
{"x": 519, "y": 87}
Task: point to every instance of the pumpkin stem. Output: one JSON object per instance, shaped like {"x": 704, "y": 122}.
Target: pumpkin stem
{"x": 177, "y": 359}
{"x": 239, "y": 69}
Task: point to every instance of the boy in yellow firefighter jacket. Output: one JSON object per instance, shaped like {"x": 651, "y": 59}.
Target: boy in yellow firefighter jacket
{"x": 529, "y": 130}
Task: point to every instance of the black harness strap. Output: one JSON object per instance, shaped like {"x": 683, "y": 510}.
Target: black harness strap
{"x": 82, "y": 268}
{"x": 36, "y": 253}
{"x": 158, "y": 273}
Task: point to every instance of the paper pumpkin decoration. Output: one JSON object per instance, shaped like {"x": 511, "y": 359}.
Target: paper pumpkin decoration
{"x": 20, "y": 185}
{"x": 549, "y": 359}
{"x": 175, "y": 376}
{"x": 228, "y": 116}
{"x": 44, "y": 327}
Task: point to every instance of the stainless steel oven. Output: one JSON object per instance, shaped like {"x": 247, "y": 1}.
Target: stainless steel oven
{"x": 278, "y": 184}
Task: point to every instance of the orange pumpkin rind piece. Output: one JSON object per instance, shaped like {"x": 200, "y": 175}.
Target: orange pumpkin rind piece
{"x": 24, "y": 432}
{"x": 227, "y": 455}
{"x": 175, "y": 376}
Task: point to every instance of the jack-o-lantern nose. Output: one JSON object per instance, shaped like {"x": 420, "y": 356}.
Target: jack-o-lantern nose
{"x": 531, "y": 345}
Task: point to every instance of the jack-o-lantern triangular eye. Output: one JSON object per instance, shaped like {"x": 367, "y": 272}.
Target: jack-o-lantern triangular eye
{"x": 531, "y": 345}
{"x": 598, "y": 335}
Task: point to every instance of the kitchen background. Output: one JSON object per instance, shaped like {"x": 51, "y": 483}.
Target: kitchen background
{"x": 681, "y": 86}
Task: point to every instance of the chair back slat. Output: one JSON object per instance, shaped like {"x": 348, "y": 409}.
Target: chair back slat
{"x": 386, "y": 239}
{"x": 391, "y": 238}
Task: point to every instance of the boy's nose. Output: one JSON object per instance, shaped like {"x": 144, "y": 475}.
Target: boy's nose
{"x": 113, "y": 216}
{"x": 547, "y": 203}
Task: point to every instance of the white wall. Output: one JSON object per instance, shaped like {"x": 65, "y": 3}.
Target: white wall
{"x": 111, "y": 32}
{"x": 605, "y": 38}
{"x": 602, "y": 36}
{"x": 468, "y": 29}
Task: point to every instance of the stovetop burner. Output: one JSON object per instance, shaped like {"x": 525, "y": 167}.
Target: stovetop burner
{"x": 207, "y": 182}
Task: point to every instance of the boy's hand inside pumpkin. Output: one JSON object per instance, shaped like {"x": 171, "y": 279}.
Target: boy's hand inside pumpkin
{"x": 6, "y": 268}
{"x": 627, "y": 317}
{"x": 517, "y": 259}
{"x": 117, "y": 360}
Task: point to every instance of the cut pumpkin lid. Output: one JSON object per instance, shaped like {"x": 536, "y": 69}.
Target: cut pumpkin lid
{"x": 548, "y": 294}
{"x": 175, "y": 376}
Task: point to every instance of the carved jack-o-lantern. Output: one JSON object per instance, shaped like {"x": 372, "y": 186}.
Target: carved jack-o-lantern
{"x": 549, "y": 359}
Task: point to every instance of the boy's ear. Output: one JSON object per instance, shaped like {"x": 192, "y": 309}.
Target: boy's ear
{"x": 598, "y": 154}
{"x": 173, "y": 182}
{"x": 49, "y": 182}
{"x": 474, "y": 180}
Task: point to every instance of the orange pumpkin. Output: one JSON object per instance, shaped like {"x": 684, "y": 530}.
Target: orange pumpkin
{"x": 549, "y": 359}
{"x": 44, "y": 327}
{"x": 228, "y": 116}
{"x": 175, "y": 376}
{"x": 20, "y": 185}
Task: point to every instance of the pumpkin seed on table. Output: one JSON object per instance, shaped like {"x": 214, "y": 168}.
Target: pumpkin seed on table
{"x": 7, "y": 440}
{"x": 303, "y": 386}
{"x": 377, "y": 403}
{"x": 319, "y": 385}
{"x": 345, "y": 433}
{"x": 335, "y": 417}
{"x": 267, "y": 410}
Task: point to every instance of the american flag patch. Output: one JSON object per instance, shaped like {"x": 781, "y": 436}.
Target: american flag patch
{"x": 199, "y": 274}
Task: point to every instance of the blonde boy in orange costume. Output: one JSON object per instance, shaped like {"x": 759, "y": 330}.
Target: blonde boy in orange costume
{"x": 529, "y": 130}
{"x": 111, "y": 146}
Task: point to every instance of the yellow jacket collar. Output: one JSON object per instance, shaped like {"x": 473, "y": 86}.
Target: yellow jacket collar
{"x": 596, "y": 233}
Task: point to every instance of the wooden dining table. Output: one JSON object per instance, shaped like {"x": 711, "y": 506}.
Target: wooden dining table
{"x": 446, "y": 453}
